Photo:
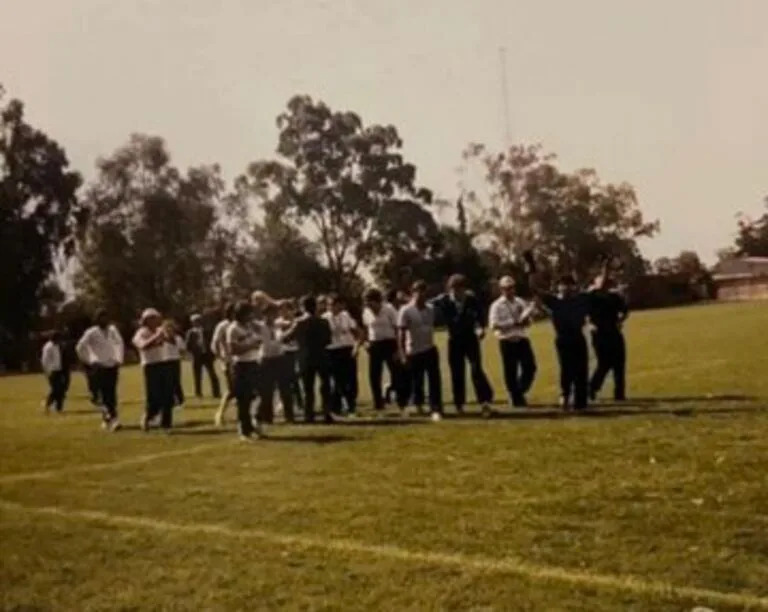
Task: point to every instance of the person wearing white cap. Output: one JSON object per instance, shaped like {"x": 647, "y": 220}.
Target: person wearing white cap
{"x": 508, "y": 318}
{"x": 150, "y": 340}
{"x": 101, "y": 349}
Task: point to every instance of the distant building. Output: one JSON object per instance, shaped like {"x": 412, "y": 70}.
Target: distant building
{"x": 742, "y": 278}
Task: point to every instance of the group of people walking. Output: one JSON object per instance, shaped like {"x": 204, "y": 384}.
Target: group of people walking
{"x": 270, "y": 348}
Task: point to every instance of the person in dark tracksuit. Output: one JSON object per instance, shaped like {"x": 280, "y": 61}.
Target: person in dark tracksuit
{"x": 607, "y": 312}
{"x": 416, "y": 341}
{"x": 198, "y": 341}
{"x": 461, "y": 312}
{"x": 52, "y": 362}
{"x": 313, "y": 335}
{"x": 380, "y": 325}
{"x": 569, "y": 309}
{"x": 150, "y": 341}
{"x": 509, "y": 317}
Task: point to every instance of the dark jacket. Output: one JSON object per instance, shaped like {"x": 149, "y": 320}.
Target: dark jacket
{"x": 460, "y": 318}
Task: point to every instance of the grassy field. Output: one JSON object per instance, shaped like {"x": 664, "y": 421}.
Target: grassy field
{"x": 661, "y": 504}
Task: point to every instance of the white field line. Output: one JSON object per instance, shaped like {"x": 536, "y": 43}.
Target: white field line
{"x": 469, "y": 563}
{"x": 705, "y": 365}
{"x": 96, "y": 467}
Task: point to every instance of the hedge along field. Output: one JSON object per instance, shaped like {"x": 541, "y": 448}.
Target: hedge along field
{"x": 657, "y": 504}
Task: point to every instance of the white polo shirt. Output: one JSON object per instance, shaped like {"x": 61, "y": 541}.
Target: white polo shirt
{"x": 271, "y": 346}
{"x": 420, "y": 325}
{"x": 243, "y": 333}
{"x": 99, "y": 347}
{"x": 283, "y": 325}
{"x": 147, "y": 356}
{"x": 506, "y": 316}
{"x": 342, "y": 329}
{"x": 50, "y": 360}
{"x": 174, "y": 350}
{"x": 219, "y": 340}
{"x": 381, "y": 325}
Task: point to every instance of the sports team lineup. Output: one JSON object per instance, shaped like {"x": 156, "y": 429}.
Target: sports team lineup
{"x": 276, "y": 354}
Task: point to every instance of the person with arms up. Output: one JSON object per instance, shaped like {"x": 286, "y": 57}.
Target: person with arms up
{"x": 342, "y": 356}
{"x": 607, "y": 313}
{"x": 508, "y": 318}
{"x": 101, "y": 348}
{"x": 52, "y": 362}
{"x": 380, "y": 324}
{"x": 272, "y": 375}
{"x": 243, "y": 344}
{"x": 416, "y": 343}
{"x": 150, "y": 341}
{"x": 462, "y": 313}
{"x": 198, "y": 343}
{"x": 220, "y": 351}
{"x": 313, "y": 335}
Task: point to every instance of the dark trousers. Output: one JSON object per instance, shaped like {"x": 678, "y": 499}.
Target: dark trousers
{"x": 159, "y": 390}
{"x": 198, "y": 363}
{"x": 573, "y": 356}
{"x": 245, "y": 379}
{"x": 519, "y": 365}
{"x": 291, "y": 373}
{"x": 311, "y": 370}
{"x": 461, "y": 350}
{"x": 92, "y": 383}
{"x": 57, "y": 390}
{"x": 274, "y": 377}
{"x": 105, "y": 387}
{"x": 427, "y": 364}
{"x": 611, "y": 353}
{"x": 343, "y": 370}
{"x": 178, "y": 390}
{"x": 381, "y": 353}
{"x": 67, "y": 379}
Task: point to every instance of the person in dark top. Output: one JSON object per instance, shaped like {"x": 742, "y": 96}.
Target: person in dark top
{"x": 464, "y": 317}
{"x": 198, "y": 341}
{"x": 569, "y": 309}
{"x": 313, "y": 335}
{"x": 607, "y": 312}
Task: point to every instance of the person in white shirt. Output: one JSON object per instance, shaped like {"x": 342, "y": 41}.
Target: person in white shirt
{"x": 272, "y": 374}
{"x": 101, "y": 348}
{"x": 51, "y": 361}
{"x": 508, "y": 318}
{"x": 290, "y": 369}
{"x": 342, "y": 356}
{"x": 150, "y": 341}
{"x": 243, "y": 344}
{"x": 220, "y": 351}
{"x": 416, "y": 321}
{"x": 175, "y": 348}
{"x": 380, "y": 325}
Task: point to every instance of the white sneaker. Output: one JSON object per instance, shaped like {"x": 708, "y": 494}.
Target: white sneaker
{"x": 258, "y": 431}
{"x": 405, "y": 412}
{"x": 487, "y": 411}
{"x": 114, "y": 425}
{"x": 436, "y": 417}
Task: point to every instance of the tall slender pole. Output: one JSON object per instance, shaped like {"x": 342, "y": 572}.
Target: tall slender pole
{"x": 505, "y": 96}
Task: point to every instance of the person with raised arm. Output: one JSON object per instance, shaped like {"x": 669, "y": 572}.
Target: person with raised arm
{"x": 150, "y": 341}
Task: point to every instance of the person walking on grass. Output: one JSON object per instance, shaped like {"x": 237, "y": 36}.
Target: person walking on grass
{"x": 380, "y": 326}
{"x": 273, "y": 376}
{"x": 101, "y": 348}
{"x": 221, "y": 352}
{"x": 175, "y": 348}
{"x": 313, "y": 335}
{"x": 342, "y": 356}
{"x": 198, "y": 343}
{"x": 462, "y": 313}
{"x": 607, "y": 313}
{"x": 509, "y": 318}
{"x": 416, "y": 341}
{"x": 290, "y": 366}
{"x": 52, "y": 362}
{"x": 150, "y": 341}
{"x": 243, "y": 344}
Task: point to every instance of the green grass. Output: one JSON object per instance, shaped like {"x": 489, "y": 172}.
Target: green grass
{"x": 658, "y": 505}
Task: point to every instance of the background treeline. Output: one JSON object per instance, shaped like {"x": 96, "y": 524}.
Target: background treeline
{"x": 337, "y": 207}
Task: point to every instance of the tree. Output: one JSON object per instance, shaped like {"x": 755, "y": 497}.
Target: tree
{"x": 571, "y": 220}
{"x": 39, "y": 216}
{"x": 347, "y": 185}
{"x": 148, "y": 240}
{"x": 752, "y": 238}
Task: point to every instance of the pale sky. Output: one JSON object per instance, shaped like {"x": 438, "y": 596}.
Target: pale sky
{"x": 670, "y": 95}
